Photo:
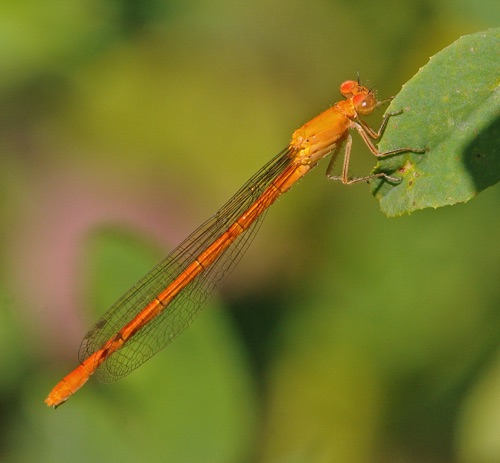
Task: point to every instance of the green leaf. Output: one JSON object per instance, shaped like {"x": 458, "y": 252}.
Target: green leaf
{"x": 452, "y": 108}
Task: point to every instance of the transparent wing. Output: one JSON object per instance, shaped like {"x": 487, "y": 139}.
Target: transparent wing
{"x": 182, "y": 310}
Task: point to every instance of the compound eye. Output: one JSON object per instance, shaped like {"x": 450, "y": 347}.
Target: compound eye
{"x": 348, "y": 88}
{"x": 364, "y": 104}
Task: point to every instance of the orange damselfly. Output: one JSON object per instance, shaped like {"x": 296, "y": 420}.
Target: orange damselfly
{"x": 164, "y": 302}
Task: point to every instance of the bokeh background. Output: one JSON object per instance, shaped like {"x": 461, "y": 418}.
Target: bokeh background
{"x": 342, "y": 336}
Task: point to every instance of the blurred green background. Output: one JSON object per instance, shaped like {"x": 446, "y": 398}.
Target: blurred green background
{"x": 342, "y": 336}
